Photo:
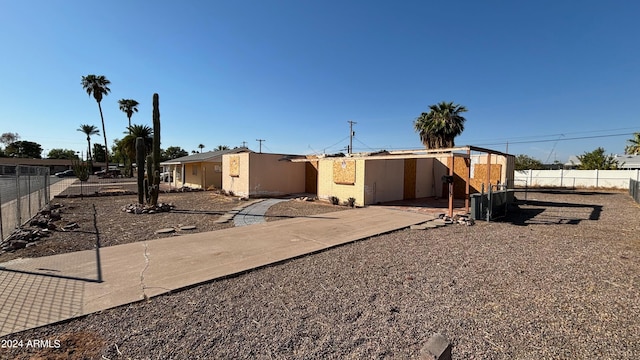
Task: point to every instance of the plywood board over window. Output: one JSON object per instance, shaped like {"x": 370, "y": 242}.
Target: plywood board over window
{"x": 234, "y": 165}
{"x": 344, "y": 172}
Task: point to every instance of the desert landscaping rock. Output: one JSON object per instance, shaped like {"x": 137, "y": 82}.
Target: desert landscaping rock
{"x": 550, "y": 282}
{"x": 187, "y": 227}
{"x": 166, "y": 231}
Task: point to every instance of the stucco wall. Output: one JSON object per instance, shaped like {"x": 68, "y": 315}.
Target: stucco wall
{"x": 384, "y": 180}
{"x": 191, "y": 179}
{"x": 327, "y": 187}
{"x": 270, "y": 176}
{"x": 424, "y": 178}
{"x": 239, "y": 185}
{"x": 262, "y": 175}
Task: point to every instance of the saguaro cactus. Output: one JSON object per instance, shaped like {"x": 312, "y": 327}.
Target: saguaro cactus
{"x": 140, "y": 154}
{"x": 154, "y": 175}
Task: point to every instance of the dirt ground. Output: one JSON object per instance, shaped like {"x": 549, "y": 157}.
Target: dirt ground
{"x": 114, "y": 226}
{"x": 557, "y": 279}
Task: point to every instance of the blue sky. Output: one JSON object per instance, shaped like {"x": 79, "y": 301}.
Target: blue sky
{"x": 551, "y": 78}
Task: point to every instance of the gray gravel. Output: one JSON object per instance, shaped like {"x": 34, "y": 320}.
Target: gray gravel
{"x": 559, "y": 280}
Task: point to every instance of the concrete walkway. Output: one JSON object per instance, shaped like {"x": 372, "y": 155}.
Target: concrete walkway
{"x": 133, "y": 272}
{"x": 254, "y": 213}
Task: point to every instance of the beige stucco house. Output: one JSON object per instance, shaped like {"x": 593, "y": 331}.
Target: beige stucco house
{"x": 200, "y": 171}
{"x": 369, "y": 178}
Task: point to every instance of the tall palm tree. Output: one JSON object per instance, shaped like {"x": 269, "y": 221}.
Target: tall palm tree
{"x": 128, "y": 106}
{"x": 634, "y": 147}
{"x": 98, "y": 86}
{"x": 89, "y": 130}
{"x": 440, "y": 125}
{"x": 201, "y": 146}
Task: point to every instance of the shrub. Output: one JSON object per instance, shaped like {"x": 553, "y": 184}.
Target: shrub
{"x": 334, "y": 200}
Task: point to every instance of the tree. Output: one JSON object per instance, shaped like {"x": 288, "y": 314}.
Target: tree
{"x": 24, "y": 149}
{"x": 8, "y": 138}
{"x": 99, "y": 153}
{"x": 98, "y": 86}
{"x": 440, "y": 125}
{"x": 221, "y": 147}
{"x": 634, "y": 145}
{"x": 524, "y": 162}
{"x": 597, "y": 160}
{"x": 89, "y": 130}
{"x": 173, "y": 152}
{"x": 128, "y": 143}
{"x": 128, "y": 106}
{"x": 62, "y": 154}
{"x": 201, "y": 146}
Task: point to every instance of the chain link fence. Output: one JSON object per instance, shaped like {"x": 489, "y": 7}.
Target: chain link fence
{"x": 24, "y": 190}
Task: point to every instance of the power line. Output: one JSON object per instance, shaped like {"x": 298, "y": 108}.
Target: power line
{"x": 565, "y": 139}
{"x": 561, "y": 134}
{"x": 341, "y": 140}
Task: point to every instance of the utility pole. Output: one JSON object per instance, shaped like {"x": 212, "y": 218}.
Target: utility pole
{"x": 260, "y": 141}
{"x": 351, "y": 135}
{"x": 244, "y": 144}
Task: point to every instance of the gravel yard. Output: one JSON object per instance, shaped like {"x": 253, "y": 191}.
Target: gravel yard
{"x": 559, "y": 279}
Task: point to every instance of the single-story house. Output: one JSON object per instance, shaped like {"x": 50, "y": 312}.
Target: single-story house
{"x": 369, "y": 178}
{"x": 201, "y": 170}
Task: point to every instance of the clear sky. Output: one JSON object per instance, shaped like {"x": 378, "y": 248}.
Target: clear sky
{"x": 551, "y": 78}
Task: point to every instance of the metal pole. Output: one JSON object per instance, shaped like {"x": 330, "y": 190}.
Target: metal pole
{"x": 19, "y": 214}
{"x": 490, "y": 204}
{"x": 1, "y": 231}
{"x": 29, "y": 190}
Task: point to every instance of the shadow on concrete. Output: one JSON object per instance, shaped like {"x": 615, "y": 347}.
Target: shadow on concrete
{"x": 27, "y": 300}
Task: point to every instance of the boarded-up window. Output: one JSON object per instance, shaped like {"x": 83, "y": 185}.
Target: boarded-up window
{"x": 234, "y": 165}
{"x": 344, "y": 172}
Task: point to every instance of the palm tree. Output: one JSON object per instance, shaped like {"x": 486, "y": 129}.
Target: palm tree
{"x": 89, "y": 130}
{"x": 128, "y": 106}
{"x": 440, "y": 125}
{"x": 201, "y": 146}
{"x": 221, "y": 147}
{"x": 98, "y": 86}
{"x": 634, "y": 147}
{"x": 128, "y": 143}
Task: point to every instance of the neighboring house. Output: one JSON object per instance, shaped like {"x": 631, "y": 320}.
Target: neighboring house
{"x": 54, "y": 165}
{"x": 201, "y": 170}
{"x": 625, "y": 162}
{"x": 572, "y": 163}
{"x": 368, "y": 178}
{"x": 628, "y": 162}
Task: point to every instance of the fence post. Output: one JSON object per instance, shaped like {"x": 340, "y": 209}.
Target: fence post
{"x": 29, "y": 191}
{"x": 18, "y": 210}
{"x": 597, "y": 172}
{"x": 561, "y": 177}
{"x": 1, "y": 229}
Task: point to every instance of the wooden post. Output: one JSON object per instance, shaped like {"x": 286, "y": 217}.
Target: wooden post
{"x": 467, "y": 180}
{"x": 453, "y": 164}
